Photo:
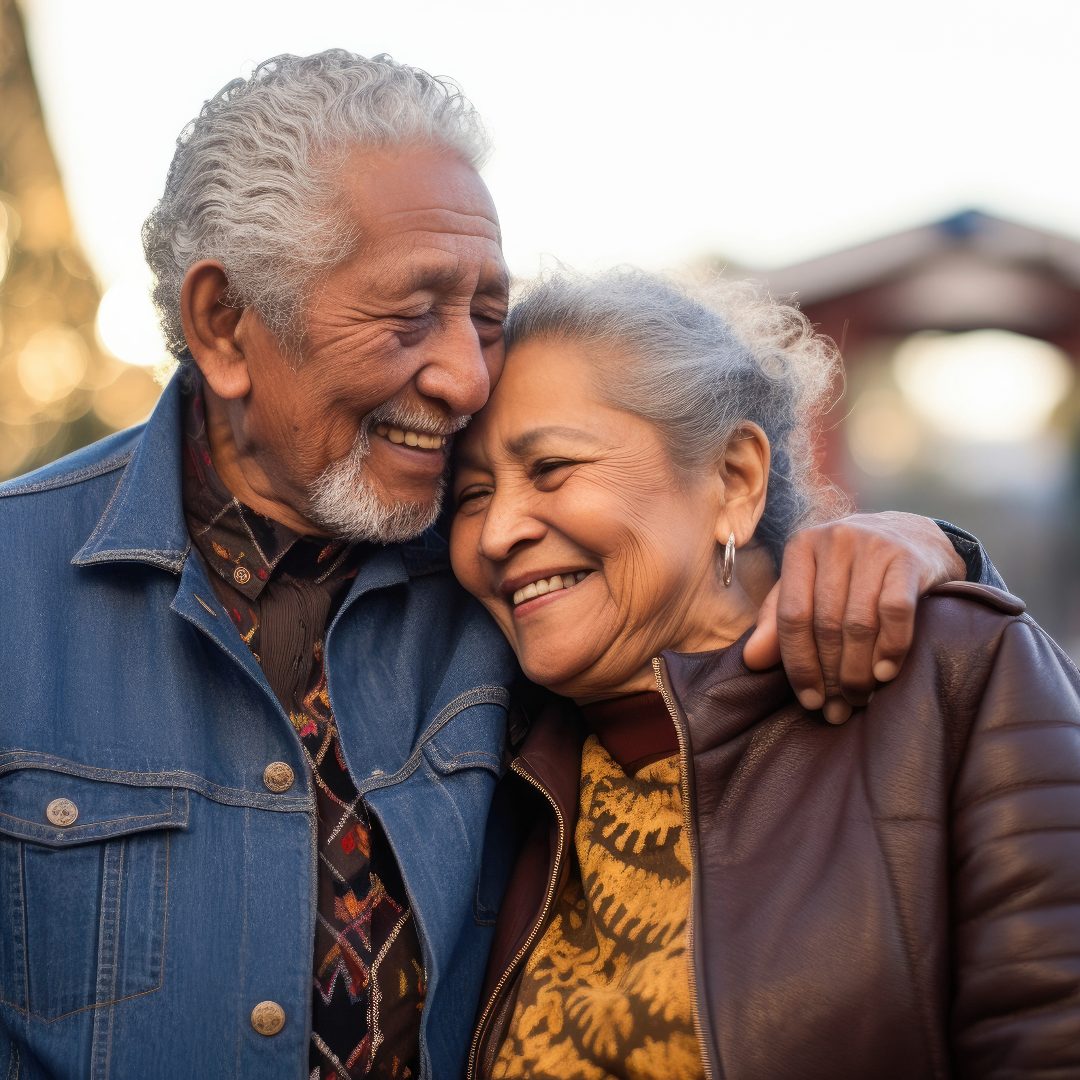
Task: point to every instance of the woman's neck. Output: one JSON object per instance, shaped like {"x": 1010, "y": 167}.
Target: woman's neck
{"x": 713, "y": 618}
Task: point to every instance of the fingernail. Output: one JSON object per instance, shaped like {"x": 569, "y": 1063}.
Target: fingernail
{"x": 884, "y": 670}
{"x": 812, "y": 700}
{"x": 837, "y": 711}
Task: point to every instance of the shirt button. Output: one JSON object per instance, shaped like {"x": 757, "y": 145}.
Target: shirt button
{"x": 268, "y": 1018}
{"x": 61, "y": 812}
{"x": 241, "y": 575}
{"x": 278, "y": 776}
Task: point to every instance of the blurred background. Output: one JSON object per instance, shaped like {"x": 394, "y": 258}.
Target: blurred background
{"x": 907, "y": 172}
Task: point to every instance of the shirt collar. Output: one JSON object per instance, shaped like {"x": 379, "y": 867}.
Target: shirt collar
{"x": 240, "y": 545}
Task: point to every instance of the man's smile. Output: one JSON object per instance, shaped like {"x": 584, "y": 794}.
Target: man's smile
{"x": 417, "y": 439}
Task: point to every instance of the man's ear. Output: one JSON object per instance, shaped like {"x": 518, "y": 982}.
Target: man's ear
{"x": 210, "y": 329}
{"x": 744, "y": 472}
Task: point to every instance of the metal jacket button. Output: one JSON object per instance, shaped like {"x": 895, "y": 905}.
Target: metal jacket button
{"x": 278, "y": 776}
{"x": 268, "y": 1018}
{"x": 241, "y": 575}
{"x": 61, "y": 812}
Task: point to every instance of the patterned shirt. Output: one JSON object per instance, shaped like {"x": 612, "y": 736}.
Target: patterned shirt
{"x": 605, "y": 994}
{"x": 282, "y": 590}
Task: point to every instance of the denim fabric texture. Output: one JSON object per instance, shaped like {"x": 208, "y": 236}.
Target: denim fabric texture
{"x": 135, "y": 941}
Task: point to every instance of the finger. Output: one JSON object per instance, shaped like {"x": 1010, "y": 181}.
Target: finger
{"x": 830, "y": 602}
{"x": 795, "y": 623}
{"x": 861, "y": 626}
{"x": 762, "y": 649}
{"x": 837, "y": 710}
{"x": 896, "y": 610}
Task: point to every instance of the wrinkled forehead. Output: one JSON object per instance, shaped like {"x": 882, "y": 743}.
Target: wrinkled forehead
{"x": 418, "y": 189}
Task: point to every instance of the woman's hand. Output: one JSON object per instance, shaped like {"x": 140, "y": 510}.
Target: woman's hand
{"x": 842, "y": 615}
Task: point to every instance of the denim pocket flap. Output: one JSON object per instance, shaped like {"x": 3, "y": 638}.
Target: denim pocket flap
{"x": 472, "y": 738}
{"x": 59, "y": 810}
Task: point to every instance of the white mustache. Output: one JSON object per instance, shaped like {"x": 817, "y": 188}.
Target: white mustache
{"x": 411, "y": 418}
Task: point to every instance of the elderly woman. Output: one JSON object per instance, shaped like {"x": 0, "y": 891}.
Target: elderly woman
{"x": 711, "y": 880}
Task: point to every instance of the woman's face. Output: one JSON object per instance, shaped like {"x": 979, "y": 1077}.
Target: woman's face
{"x": 576, "y": 532}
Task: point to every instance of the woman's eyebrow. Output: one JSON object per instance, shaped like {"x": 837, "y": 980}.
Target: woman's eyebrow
{"x": 525, "y": 442}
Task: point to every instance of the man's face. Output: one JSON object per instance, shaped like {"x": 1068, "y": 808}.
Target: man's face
{"x": 402, "y": 343}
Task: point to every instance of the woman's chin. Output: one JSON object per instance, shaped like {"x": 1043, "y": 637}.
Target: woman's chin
{"x": 559, "y": 677}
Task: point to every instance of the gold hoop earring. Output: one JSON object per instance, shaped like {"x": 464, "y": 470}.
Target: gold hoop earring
{"x": 729, "y": 561}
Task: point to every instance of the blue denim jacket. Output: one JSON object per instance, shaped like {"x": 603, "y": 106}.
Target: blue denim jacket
{"x": 135, "y": 942}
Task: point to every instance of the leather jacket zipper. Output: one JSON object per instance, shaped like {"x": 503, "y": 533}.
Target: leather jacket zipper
{"x": 549, "y": 900}
{"x": 691, "y": 836}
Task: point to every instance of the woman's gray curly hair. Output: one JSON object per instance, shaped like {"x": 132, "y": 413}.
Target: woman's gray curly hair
{"x": 252, "y": 180}
{"x": 698, "y": 362}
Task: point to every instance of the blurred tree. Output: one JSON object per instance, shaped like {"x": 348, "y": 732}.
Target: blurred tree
{"x": 59, "y": 389}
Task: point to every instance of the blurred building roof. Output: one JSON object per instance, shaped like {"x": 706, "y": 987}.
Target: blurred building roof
{"x": 969, "y": 271}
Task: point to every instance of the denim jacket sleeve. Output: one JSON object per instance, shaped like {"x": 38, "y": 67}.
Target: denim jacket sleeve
{"x": 979, "y": 567}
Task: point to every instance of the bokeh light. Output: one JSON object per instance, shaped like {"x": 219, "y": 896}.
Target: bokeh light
{"x": 127, "y": 324}
{"x": 882, "y": 435}
{"x": 52, "y": 363}
{"x": 991, "y": 386}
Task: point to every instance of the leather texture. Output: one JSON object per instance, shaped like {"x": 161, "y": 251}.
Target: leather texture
{"x": 897, "y": 897}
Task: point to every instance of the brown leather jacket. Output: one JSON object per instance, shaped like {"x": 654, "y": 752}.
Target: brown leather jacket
{"x": 896, "y": 897}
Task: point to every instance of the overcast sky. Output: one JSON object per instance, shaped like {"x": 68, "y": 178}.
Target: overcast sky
{"x": 658, "y": 133}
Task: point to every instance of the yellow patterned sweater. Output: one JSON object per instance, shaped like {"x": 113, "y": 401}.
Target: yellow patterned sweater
{"x": 606, "y": 991}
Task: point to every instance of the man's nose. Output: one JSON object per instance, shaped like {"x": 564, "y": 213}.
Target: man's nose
{"x": 456, "y": 371}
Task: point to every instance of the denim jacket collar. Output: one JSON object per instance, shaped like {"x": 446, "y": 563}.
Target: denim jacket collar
{"x": 144, "y": 521}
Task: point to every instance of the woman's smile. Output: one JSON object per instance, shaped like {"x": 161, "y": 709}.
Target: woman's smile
{"x": 552, "y": 586}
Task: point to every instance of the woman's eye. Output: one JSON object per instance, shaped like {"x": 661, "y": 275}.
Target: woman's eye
{"x": 470, "y": 499}
{"x": 551, "y": 468}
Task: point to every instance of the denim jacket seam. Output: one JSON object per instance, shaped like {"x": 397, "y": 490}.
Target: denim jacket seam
{"x": 478, "y": 695}
{"x": 77, "y": 476}
{"x": 13, "y": 760}
{"x": 155, "y": 556}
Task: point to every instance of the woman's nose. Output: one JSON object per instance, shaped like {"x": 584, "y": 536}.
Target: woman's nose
{"x": 507, "y": 524}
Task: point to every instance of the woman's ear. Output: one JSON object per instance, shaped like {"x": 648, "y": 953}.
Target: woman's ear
{"x": 744, "y": 473}
{"x": 210, "y": 328}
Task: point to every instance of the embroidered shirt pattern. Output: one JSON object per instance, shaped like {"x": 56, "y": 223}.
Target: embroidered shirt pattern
{"x": 281, "y": 590}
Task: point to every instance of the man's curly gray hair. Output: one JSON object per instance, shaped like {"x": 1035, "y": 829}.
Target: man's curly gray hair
{"x": 252, "y": 182}
{"x": 697, "y": 362}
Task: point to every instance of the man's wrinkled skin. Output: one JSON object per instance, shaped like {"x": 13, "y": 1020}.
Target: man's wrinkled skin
{"x": 414, "y": 317}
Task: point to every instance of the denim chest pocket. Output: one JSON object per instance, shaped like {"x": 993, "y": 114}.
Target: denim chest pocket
{"x": 473, "y": 737}
{"x": 84, "y": 872}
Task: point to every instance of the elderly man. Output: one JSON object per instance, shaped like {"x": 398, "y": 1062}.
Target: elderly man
{"x": 253, "y": 725}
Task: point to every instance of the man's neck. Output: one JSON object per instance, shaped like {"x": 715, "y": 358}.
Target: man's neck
{"x": 242, "y": 474}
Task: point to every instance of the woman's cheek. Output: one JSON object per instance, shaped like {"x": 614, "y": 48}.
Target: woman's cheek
{"x": 465, "y": 559}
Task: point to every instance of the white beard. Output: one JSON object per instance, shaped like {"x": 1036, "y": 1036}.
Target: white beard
{"x": 345, "y": 502}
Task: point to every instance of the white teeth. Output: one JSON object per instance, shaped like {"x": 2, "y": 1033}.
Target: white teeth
{"x": 546, "y": 585}
{"x": 410, "y": 438}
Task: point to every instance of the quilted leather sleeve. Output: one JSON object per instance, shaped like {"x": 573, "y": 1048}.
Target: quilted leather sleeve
{"x": 1016, "y": 872}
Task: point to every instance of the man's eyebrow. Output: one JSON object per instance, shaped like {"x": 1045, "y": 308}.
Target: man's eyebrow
{"x": 443, "y": 274}
{"x": 525, "y": 442}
